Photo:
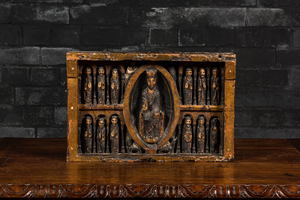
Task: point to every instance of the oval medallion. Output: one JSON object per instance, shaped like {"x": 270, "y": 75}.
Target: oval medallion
{"x": 151, "y": 107}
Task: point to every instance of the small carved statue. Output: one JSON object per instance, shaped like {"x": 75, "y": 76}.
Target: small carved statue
{"x": 214, "y": 136}
{"x": 101, "y": 135}
{"x": 151, "y": 117}
{"x": 172, "y": 71}
{"x": 129, "y": 72}
{"x": 188, "y": 87}
{"x": 87, "y": 85}
{"x": 101, "y": 85}
{"x": 201, "y": 87}
{"x": 187, "y": 135}
{"x": 169, "y": 146}
{"x": 132, "y": 147}
{"x": 215, "y": 87}
{"x": 88, "y": 135}
{"x": 114, "y": 135}
{"x": 115, "y": 87}
{"x": 201, "y": 135}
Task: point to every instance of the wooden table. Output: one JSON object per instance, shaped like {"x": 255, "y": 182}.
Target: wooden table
{"x": 37, "y": 168}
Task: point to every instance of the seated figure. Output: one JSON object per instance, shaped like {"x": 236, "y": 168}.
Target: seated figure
{"x": 151, "y": 116}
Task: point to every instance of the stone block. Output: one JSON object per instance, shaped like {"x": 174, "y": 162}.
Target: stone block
{"x": 219, "y": 36}
{"x": 192, "y": 37}
{"x": 96, "y": 36}
{"x": 36, "y": 36}
{"x": 134, "y": 36}
{"x": 15, "y": 76}
{"x": 4, "y": 14}
{"x": 9, "y": 35}
{"x": 164, "y": 37}
{"x": 17, "y": 132}
{"x": 249, "y": 37}
{"x": 52, "y": 133}
{"x": 9, "y": 56}
{"x": 66, "y": 36}
{"x": 7, "y": 94}
{"x": 10, "y": 115}
{"x": 61, "y": 115}
{"x": 38, "y": 116}
{"x": 41, "y": 96}
{"x": 54, "y": 56}
{"x": 248, "y": 78}
{"x": 279, "y": 38}
{"x": 274, "y": 77}
{"x": 29, "y": 56}
{"x": 255, "y": 58}
{"x": 243, "y": 117}
{"x": 100, "y": 14}
{"x": 49, "y": 76}
{"x": 286, "y": 59}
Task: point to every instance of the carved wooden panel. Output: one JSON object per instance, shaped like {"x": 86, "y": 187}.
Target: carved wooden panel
{"x": 149, "y": 191}
{"x": 150, "y": 106}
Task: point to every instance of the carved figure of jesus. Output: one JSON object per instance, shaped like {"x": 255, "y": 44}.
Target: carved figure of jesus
{"x": 101, "y": 135}
{"x": 115, "y": 87}
{"x": 188, "y": 87}
{"x": 187, "y": 135}
{"x": 201, "y": 135}
{"x": 201, "y": 87}
{"x": 151, "y": 116}
{"x": 88, "y": 135}
{"x": 114, "y": 135}
{"x": 101, "y": 85}
{"x": 215, "y": 87}
{"x": 87, "y": 85}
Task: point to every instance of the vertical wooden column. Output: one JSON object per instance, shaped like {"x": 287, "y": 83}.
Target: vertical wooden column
{"x": 180, "y": 71}
{"x": 207, "y": 138}
{"x": 94, "y": 67}
{"x": 194, "y": 137}
{"x": 107, "y": 85}
{"x": 94, "y": 136}
{"x": 195, "y": 86}
{"x": 208, "y": 86}
{"x": 178, "y": 140}
{"x": 108, "y": 134}
{"x": 122, "y": 84}
{"x": 122, "y": 138}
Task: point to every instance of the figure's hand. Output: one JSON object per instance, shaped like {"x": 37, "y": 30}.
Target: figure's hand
{"x": 90, "y": 85}
{"x": 145, "y": 106}
{"x": 156, "y": 115}
{"x": 199, "y": 89}
{"x": 186, "y": 85}
{"x": 113, "y": 86}
{"x": 99, "y": 84}
{"x": 191, "y": 87}
{"x": 85, "y": 86}
{"x": 214, "y": 85}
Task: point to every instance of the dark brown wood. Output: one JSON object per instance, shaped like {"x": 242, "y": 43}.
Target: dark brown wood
{"x": 263, "y": 168}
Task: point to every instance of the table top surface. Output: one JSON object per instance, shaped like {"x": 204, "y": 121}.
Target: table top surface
{"x": 38, "y": 168}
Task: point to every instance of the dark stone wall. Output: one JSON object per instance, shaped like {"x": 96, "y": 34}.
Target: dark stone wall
{"x": 36, "y": 34}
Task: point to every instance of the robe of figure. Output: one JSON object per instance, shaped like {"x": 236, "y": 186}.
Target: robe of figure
{"x": 101, "y": 133}
{"x": 201, "y": 90}
{"x": 101, "y": 88}
{"x": 88, "y": 139}
{"x": 187, "y": 90}
{"x": 151, "y": 126}
{"x": 115, "y": 87}
{"x": 114, "y": 138}
{"x": 214, "y": 136}
{"x": 200, "y": 138}
{"x": 215, "y": 90}
{"x": 187, "y": 137}
{"x": 87, "y": 89}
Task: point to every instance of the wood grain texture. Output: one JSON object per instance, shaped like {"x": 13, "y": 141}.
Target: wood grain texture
{"x": 262, "y": 168}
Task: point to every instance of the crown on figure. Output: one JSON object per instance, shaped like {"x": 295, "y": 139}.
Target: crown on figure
{"x": 151, "y": 73}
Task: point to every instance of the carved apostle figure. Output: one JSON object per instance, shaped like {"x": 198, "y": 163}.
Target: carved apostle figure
{"x": 188, "y": 87}
{"x": 101, "y": 135}
{"x": 201, "y": 135}
{"x": 88, "y": 135}
{"x": 115, "y": 87}
{"x": 187, "y": 135}
{"x": 201, "y": 87}
{"x": 214, "y": 136}
{"x": 101, "y": 85}
{"x": 215, "y": 87}
{"x": 151, "y": 117}
{"x": 114, "y": 135}
{"x": 87, "y": 85}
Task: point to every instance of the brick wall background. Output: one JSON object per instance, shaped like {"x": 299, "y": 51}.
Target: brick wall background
{"x": 36, "y": 34}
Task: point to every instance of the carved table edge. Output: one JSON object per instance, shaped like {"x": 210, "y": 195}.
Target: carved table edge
{"x": 149, "y": 190}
